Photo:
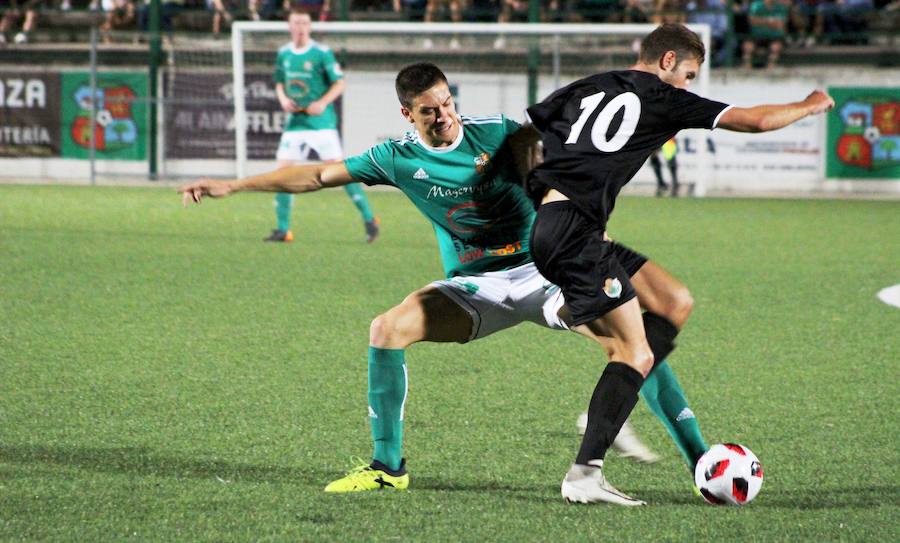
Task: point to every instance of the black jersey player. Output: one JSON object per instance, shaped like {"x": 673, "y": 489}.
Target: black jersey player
{"x": 597, "y": 132}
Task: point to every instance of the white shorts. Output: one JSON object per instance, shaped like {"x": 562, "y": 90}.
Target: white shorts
{"x": 309, "y": 146}
{"x": 503, "y": 299}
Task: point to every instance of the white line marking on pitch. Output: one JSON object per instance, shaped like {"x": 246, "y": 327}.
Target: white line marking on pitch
{"x": 890, "y": 295}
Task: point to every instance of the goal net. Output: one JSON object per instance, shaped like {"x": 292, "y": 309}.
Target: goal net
{"x": 492, "y": 68}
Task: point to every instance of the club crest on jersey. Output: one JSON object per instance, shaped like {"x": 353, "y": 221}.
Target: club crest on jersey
{"x": 482, "y": 163}
{"x": 297, "y": 88}
{"x": 612, "y": 287}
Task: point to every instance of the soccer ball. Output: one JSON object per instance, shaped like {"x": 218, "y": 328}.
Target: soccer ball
{"x": 728, "y": 473}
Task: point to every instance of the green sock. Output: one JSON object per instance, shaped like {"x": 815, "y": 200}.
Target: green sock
{"x": 387, "y": 397}
{"x": 358, "y": 195}
{"x": 283, "y": 203}
{"x": 665, "y": 398}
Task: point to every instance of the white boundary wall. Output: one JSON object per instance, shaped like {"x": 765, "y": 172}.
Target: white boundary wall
{"x": 785, "y": 161}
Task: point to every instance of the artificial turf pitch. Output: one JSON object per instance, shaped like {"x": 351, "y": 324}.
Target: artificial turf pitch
{"x": 165, "y": 375}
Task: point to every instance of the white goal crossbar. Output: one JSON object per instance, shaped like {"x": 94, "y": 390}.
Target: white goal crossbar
{"x": 418, "y": 30}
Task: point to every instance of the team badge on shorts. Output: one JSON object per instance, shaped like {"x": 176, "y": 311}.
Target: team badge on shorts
{"x": 612, "y": 287}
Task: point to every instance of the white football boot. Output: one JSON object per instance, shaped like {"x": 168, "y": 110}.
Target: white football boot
{"x": 627, "y": 443}
{"x": 586, "y": 484}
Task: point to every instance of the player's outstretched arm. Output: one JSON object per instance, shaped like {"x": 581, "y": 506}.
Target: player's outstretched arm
{"x": 294, "y": 179}
{"x": 772, "y": 117}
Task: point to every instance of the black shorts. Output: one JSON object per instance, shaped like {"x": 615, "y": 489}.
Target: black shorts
{"x": 569, "y": 250}
{"x": 629, "y": 259}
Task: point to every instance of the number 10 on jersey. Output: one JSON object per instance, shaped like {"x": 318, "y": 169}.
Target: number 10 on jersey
{"x": 599, "y": 130}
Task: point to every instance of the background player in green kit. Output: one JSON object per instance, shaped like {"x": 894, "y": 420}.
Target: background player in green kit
{"x": 461, "y": 173}
{"x": 308, "y": 79}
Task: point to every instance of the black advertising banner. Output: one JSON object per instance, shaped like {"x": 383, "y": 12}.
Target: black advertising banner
{"x": 199, "y": 113}
{"x": 29, "y": 114}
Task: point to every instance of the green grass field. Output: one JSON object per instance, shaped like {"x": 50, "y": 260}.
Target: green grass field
{"x": 165, "y": 375}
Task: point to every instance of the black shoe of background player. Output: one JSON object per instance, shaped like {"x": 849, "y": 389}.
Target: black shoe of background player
{"x": 372, "y": 229}
{"x": 284, "y": 236}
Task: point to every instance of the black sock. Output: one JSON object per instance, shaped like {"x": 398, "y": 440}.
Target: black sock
{"x": 614, "y": 397}
{"x": 660, "y": 335}
{"x": 673, "y": 168}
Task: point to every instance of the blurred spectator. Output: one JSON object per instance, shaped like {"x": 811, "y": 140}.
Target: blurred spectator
{"x": 120, "y": 15}
{"x": 598, "y": 11}
{"x": 715, "y": 14}
{"x": 319, "y": 10}
{"x": 768, "y": 21}
{"x": 168, "y": 9}
{"x": 18, "y": 10}
{"x": 513, "y": 8}
{"x": 414, "y": 10}
{"x": 845, "y": 20}
{"x": 434, "y": 7}
{"x": 481, "y": 11}
{"x": 224, "y": 12}
{"x": 66, "y": 5}
{"x": 267, "y": 10}
{"x": 804, "y": 21}
{"x": 517, "y": 10}
{"x": 637, "y": 11}
{"x": 669, "y": 11}
{"x": 371, "y": 5}
{"x": 256, "y": 10}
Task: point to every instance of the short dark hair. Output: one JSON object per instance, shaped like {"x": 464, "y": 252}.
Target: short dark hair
{"x": 415, "y": 79}
{"x": 672, "y": 37}
{"x": 297, "y": 10}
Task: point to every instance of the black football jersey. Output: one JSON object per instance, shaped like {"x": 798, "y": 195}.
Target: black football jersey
{"x": 598, "y": 131}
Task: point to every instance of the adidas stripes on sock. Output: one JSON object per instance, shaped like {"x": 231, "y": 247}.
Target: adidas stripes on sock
{"x": 665, "y": 398}
{"x": 387, "y": 397}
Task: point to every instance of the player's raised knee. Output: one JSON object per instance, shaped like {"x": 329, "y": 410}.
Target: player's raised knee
{"x": 643, "y": 361}
{"x": 393, "y": 330}
{"x": 636, "y": 354}
{"x": 383, "y": 331}
{"x": 682, "y": 305}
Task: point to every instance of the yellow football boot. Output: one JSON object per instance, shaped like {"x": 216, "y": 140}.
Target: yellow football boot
{"x": 374, "y": 476}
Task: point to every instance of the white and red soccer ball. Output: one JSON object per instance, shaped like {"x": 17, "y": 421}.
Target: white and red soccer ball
{"x": 728, "y": 474}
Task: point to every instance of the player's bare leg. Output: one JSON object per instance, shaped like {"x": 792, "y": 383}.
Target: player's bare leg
{"x": 661, "y": 293}
{"x": 284, "y": 202}
{"x": 621, "y": 332}
{"x": 424, "y": 315}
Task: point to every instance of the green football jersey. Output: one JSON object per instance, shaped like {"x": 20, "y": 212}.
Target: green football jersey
{"x": 307, "y": 74}
{"x": 776, "y": 10}
{"x": 469, "y": 190}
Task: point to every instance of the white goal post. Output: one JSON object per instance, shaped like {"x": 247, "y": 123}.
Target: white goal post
{"x": 412, "y": 31}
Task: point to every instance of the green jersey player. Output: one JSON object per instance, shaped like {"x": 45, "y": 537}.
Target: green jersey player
{"x": 461, "y": 173}
{"x": 308, "y": 79}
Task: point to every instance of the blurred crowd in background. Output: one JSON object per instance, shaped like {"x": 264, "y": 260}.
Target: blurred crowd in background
{"x": 742, "y": 30}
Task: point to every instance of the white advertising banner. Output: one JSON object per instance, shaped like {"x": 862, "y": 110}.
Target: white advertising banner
{"x": 790, "y": 158}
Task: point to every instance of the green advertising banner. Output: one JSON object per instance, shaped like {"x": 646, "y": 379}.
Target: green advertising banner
{"x": 864, "y": 133}
{"x": 121, "y": 126}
